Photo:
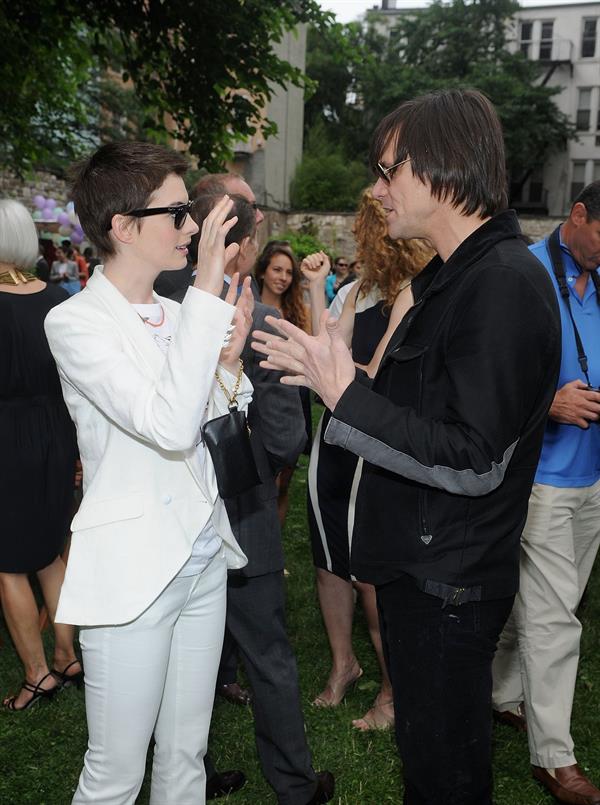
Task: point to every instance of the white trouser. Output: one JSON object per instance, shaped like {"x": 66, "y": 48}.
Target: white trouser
{"x": 538, "y": 652}
{"x": 157, "y": 673}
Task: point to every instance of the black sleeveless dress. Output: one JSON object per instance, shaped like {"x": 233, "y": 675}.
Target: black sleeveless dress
{"x": 37, "y": 437}
{"x": 332, "y": 475}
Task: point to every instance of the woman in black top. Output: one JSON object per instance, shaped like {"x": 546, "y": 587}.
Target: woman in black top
{"x": 37, "y": 462}
{"x": 369, "y": 310}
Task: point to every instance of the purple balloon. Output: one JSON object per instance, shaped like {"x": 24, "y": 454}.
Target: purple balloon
{"x": 50, "y": 202}
{"x": 76, "y": 238}
{"x": 39, "y": 202}
{"x": 77, "y": 228}
{"x": 48, "y": 213}
{"x": 64, "y": 219}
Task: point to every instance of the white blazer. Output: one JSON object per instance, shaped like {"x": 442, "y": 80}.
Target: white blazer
{"x": 138, "y": 414}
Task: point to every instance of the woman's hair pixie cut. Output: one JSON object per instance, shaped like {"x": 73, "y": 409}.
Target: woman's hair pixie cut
{"x": 454, "y": 141}
{"x": 117, "y": 178}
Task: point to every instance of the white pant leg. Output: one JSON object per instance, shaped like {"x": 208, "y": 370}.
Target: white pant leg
{"x": 587, "y": 536}
{"x": 178, "y": 776}
{"x": 549, "y": 632}
{"x": 126, "y": 668}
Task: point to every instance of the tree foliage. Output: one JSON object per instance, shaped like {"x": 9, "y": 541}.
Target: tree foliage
{"x": 456, "y": 44}
{"x": 203, "y": 72}
{"x": 325, "y": 179}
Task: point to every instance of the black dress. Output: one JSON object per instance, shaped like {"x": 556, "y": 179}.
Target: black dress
{"x": 332, "y": 475}
{"x": 37, "y": 437}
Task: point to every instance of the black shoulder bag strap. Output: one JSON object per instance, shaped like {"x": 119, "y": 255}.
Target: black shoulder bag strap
{"x": 558, "y": 267}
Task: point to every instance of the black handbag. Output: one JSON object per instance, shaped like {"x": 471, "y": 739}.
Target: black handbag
{"x": 227, "y": 439}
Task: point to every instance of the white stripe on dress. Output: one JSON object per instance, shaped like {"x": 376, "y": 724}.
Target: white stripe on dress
{"x": 312, "y": 491}
{"x": 352, "y": 507}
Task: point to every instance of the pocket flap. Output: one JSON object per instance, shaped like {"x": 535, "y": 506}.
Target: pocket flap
{"x": 109, "y": 510}
{"x": 406, "y": 352}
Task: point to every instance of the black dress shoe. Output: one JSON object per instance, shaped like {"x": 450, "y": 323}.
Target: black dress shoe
{"x": 224, "y": 783}
{"x": 325, "y": 788}
{"x": 235, "y": 694}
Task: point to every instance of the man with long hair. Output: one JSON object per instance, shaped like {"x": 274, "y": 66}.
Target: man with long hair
{"x": 450, "y": 430}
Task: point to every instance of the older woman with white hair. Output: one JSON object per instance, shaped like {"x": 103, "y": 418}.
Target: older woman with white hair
{"x": 37, "y": 463}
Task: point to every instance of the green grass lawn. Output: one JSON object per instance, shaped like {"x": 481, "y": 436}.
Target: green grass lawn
{"x": 41, "y": 750}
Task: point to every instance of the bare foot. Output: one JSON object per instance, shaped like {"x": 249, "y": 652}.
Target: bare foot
{"x": 379, "y": 717}
{"x": 337, "y": 687}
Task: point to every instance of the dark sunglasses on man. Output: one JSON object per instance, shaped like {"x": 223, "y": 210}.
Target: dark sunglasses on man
{"x": 387, "y": 174}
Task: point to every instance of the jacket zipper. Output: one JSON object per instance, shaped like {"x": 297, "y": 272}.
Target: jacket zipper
{"x": 426, "y": 537}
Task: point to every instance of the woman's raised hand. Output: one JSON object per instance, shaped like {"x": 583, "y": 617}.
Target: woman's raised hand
{"x": 315, "y": 267}
{"x": 213, "y": 256}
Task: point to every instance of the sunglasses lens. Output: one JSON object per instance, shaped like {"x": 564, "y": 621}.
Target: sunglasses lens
{"x": 180, "y": 216}
{"x": 382, "y": 174}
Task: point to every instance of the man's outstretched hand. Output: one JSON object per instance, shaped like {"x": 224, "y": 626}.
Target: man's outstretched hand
{"x": 322, "y": 362}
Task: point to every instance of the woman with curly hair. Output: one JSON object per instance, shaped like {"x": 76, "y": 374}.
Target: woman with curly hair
{"x": 279, "y": 281}
{"x": 369, "y": 311}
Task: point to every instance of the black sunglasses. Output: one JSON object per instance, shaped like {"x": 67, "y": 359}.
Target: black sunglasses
{"x": 179, "y": 212}
{"x": 387, "y": 173}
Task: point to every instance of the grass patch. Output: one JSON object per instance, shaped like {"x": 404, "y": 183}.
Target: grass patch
{"x": 41, "y": 751}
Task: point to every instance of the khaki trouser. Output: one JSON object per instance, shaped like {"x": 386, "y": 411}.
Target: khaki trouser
{"x": 538, "y": 652}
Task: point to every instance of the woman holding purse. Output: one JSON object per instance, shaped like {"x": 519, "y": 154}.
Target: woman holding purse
{"x": 151, "y": 542}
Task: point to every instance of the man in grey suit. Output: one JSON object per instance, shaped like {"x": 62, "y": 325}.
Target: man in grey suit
{"x": 256, "y": 594}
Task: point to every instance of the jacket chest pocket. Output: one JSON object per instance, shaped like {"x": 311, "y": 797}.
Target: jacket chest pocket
{"x": 401, "y": 376}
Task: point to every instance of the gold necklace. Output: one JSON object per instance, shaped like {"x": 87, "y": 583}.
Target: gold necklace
{"x": 14, "y": 276}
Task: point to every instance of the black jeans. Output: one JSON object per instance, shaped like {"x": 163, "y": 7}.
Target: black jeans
{"x": 440, "y": 664}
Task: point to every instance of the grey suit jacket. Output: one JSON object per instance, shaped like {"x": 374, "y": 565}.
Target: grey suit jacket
{"x": 277, "y": 436}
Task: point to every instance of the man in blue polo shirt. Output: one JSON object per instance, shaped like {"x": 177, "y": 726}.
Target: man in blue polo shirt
{"x": 537, "y": 657}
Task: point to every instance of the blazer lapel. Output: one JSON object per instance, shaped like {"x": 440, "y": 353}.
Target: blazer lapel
{"x": 126, "y": 319}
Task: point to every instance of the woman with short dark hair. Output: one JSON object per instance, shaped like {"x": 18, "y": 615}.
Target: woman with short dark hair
{"x": 151, "y": 542}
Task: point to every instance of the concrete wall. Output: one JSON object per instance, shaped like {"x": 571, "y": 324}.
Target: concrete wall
{"x": 269, "y": 165}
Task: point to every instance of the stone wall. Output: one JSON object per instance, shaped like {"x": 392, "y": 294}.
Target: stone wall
{"x": 334, "y": 228}
{"x": 24, "y": 190}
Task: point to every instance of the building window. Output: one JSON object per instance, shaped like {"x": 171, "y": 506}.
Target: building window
{"x": 577, "y": 179}
{"x": 588, "y": 40}
{"x": 596, "y": 171}
{"x": 584, "y": 109}
{"x": 546, "y": 41}
{"x": 536, "y": 184}
{"x": 526, "y": 38}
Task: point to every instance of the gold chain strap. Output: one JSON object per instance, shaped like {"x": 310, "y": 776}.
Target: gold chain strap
{"x": 231, "y": 398}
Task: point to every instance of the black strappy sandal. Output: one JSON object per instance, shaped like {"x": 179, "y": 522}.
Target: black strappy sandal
{"x": 65, "y": 680}
{"x": 38, "y": 694}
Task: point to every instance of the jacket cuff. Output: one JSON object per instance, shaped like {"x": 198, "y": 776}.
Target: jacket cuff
{"x": 349, "y": 412}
